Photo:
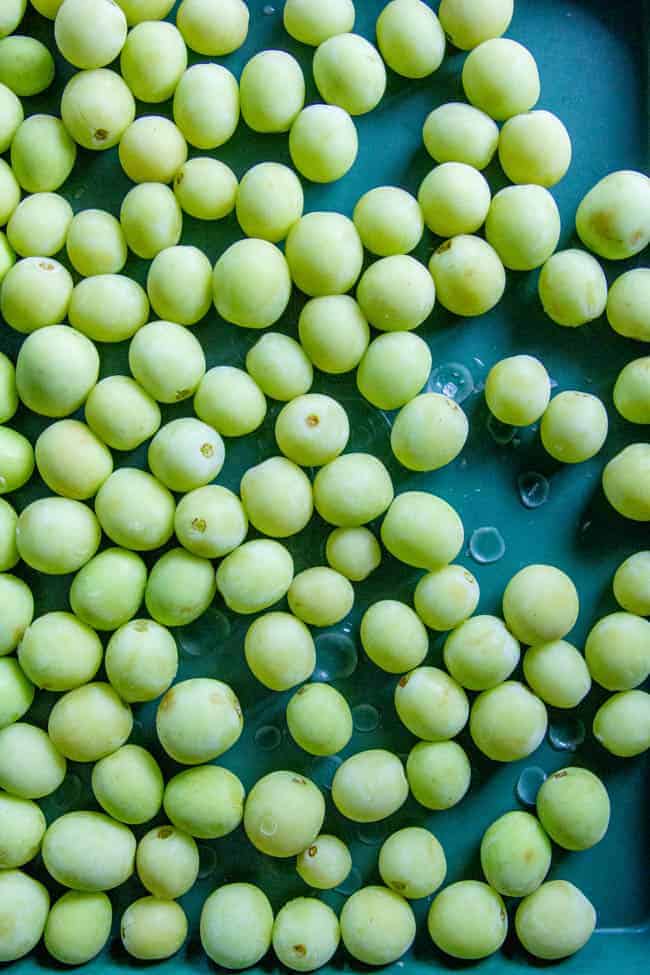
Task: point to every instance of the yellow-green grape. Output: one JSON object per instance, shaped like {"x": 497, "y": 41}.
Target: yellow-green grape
{"x": 326, "y": 863}
{"x": 108, "y": 307}
{"x": 394, "y": 369}
{"x": 95, "y": 243}
{"x": 16, "y": 460}
{"x": 167, "y": 862}
{"x": 78, "y": 926}
{"x": 613, "y": 219}
{"x": 422, "y": 530}
{"x": 312, "y": 430}
{"x": 30, "y": 765}
{"x": 23, "y": 826}
{"x": 96, "y": 108}
{"x": 39, "y": 225}
{"x": 481, "y": 653}
{"x": 277, "y": 497}
{"x": 501, "y": 78}
{"x": 24, "y": 904}
{"x": 272, "y": 91}
{"x": 625, "y": 481}
{"x": 255, "y": 576}
{"x": 349, "y": 72}
{"x": 412, "y": 862}
{"x": 622, "y": 724}
{"x": 235, "y": 299}
{"x": 508, "y": 722}
{"x": 236, "y": 926}
{"x": 540, "y": 604}
{"x": 632, "y": 584}
{"x": 56, "y": 535}
{"x": 438, "y": 773}
{"x": 324, "y": 253}
{"x": 141, "y": 660}
{"x": 180, "y": 588}
{"x": 107, "y": 592}
{"x": 198, "y": 720}
{"x": 186, "y": 454}
{"x": 8, "y": 391}
{"x": 377, "y": 926}
{"x": 206, "y": 105}
{"x": 206, "y": 802}
{"x": 518, "y": 390}
{"x": 455, "y": 199}
{"x": 26, "y": 65}
{"x": 213, "y": 27}
{"x": 121, "y": 413}
{"x": 457, "y": 132}
{"x": 230, "y": 401}
{"x": 396, "y": 293}
{"x": 555, "y": 921}
{"x": 305, "y": 934}
{"x": 323, "y": 143}
{"x": 515, "y": 854}
{"x": 137, "y": 10}
{"x": 9, "y": 190}
{"x": 58, "y": 652}
{"x": 535, "y": 148}
{"x": 135, "y": 510}
{"x": 90, "y": 33}
{"x": 574, "y": 427}
{"x": 370, "y": 786}
{"x": 16, "y": 696}
{"x": 618, "y": 651}
{"x": 354, "y": 552}
{"x": 206, "y": 188}
{"x": 11, "y": 116}
{"x": 7, "y": 257}
{"x": 280, "y": 651}
{"x": 523, "y": 226}
{"x": 431, "y": 704}
{"x": 128, "y": 785}
{"x": 468, "y": 274}
{"x": 168, "y": 361}
{"x": 210, "y": 522}
{"x": 153, "y": 929}
{"x": 12, "y": 14}
{"x": 42, "y": 154}
{"x": 89, "y": 851}
{"x": 280, "y": 367}
{"x": 468, "y": 23}
{"x": 269, "y": 201}
{"x": 572, "y": 288}
{"x": 573, "y": 806}
{"x": 393, "y": 636}
{"x": 333, "y": 333}
{"x": 632, "y": 391}
{"x": 320, "y": 596}
{"x": 429, "y": 432}
{"x": 445, "y": 598}
{"x": 450, "y": 912}
{"x": 153, "y": 60}
{"x": 89, "y": 722}
{"x": 56, "y": 369}
{"x": 389, "y": 221}
{"x": 319, "y": 720}
{"x": 558, "y": 673}
{"x": 628, "y": 302}
{"x": 352, "y": 490}
{"x": 152, "y": 150}
{"x": 410, "y": 38}
{"x": 283, "y": 814}
{"x": 311, "y": 23}
{"x": 8, "y": 550}
{"x": 151, "y": 219}
{"x": 35, "y": 293}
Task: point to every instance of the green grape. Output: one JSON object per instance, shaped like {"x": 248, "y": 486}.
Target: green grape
{"x": 352, "y": 490}
{"x": 180, "y": 588}
{"x": 135, "y": 510}
{"x": 468, "y": 23}
{"x": 206, "y": 105}
{"x": 23, "y": 825}
{"x": 151, "y": 219}
{"x": 95, "y": 243}
{"x": 618, "y": 651}
{"x": 396, "y": 293}
{"x": 167, "y": 360}
{"x": 16, "y": 460}
{"x": 410, "y": 38}
{"x": 625, "y": 482}
{"x": 540, "y": 604}
{"x": 8, "y": 391}
{"x": 280, "y": 651}
{"x": 269, "y": 201}
{"x": 394, "y": 369}
{"x": 24, "y": 904}
{"x": 39, "y": 225}
{"x": 518, "y": 390}
{"x": 333, "y": 333}
{"x": 89, "y": 33}
{"x": 389, "y": 221}
{"x": 30, "y": 765}
{"x": 8, "y": 552}
{"x": 323, "y": 143}
{"x": 9, "y": 191}
{"x": 230, "y": 401}
{"x": 501, "y": 78}
{"x": 555, "y": 921}
{"x": 167, "y": 862}
{"x": 35, "y": 293}
{"x": 574, "y": 807}
{"x": 236, "y": 926}
{"x": 632, "y": 391}
{"x": 236, "y": 300}
{"x": 255, "y": 575}
{"x": 468, "y": 274}
{"x": 121, "y": 413}
{"x": 349, "y": 72}
{"x": 26, "y": 65}
{"x": 422, "y": 530}
{"x": 186, "y": 454}
{"x": 55, "y": 371}
{"x": 283, "y": 814}
{"x": 622, "y": 724}
{"x": 272, "y": 91}
{"x": 508, "y": 722}
{"x": 129, "y": 785}
{"x": 108, "y": 307}
{"x": 393, "y": 636}
{"x": 312, "y": 23}
{"x": 58, "y": 652}
{"x": 107, "y": 592}
{"x": 206, "y": 188}
{"x": 56, "y": 535}
{"x": 324, "y": 253}
{"x": 153, "y": 60}
{"x": 438, "y": 773}
{"x": 455, "y": 199}
{"x": 613, "y": 219}
{"x": 12, "y": 14}
{"x": 445, "y": 598}
{"x": 535, "y": 148}
{"x": 280, "y": 367}
{"x": 354, "y": 552}
{"x": 557, "y": 673}
{"x": 277, "y": 497}
{"x": 213, "y": 27}
{"x": 198, "y": 720}
{"x": 153, "y": 929}
{"x": 7, "y": 257}
{"x": 431, "y": 704}
{"x": 305, "y": 934}
{"x": 152, "y": 150}
{"x": 320, "y": 596}
{"x": 429, "y": 432}
{"x": 139, "y": 10}
{"x": 627, "y": 304}
{"x": 11, "y": 116}
{"x": 312, "y": 430}
{"x": 457, "y": 132}
{"x": 89, "y": 722}
{"x": 327, "y": 862}
{"x": 16, "y": 696}
{"x": 448, "y": 917}
{"x": 523, "y": 226}
{"x": 206, "y": 802}
{"x": 370, "y": 786}
{"x": 78, "y": 926}
{"x": 89, "y": 851}
{"x": 42, "y": 154}
{"x": 141, "y": 660}
{"x": 97, "y": 107}
{"x": 210, "y": 522}
{"x": 632, "y": 584}
{"x": 515, "y": 854}
{"x": 72, "y": 461}
{"x": 572, "y": 288}
{"x": 377, "y": 926}
{"x": 319, "y": 720}
{"x": 412, "y": 862}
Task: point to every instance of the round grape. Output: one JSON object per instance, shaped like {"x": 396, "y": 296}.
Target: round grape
{"x": 618, "y": 651}
{"x": 135, "y": 510}
{"x": 89, "y": 722}
{"x": 350, "y": 73}
{"x": 333, "y": 333}
{"x": 24, "y": 903}
{"x": 151, "y": 219}
{"x": 35, "y": 293}
{"x": 95, "y": 243}
{"x": 540, "y": 604}
{"x": 354, "y": 552}
{"x": 42, "y": 154}
{"x": 283, "y": 814}
{"x": 59, "y": 652}
{"x": 8, "y": 551}
{"x": 206, "y": 106}
{"x": 236, "y": 926}
{"x": 327, "y": 862}
{"x": 613, "y": 219}
{"x": 555, "y": 921}
{"x": 12, "y": 14}
{"x": 515, "y": 854}
{"x": 429, "y": 432}
{"x": 56, "y": 369}
{"x": 518, "y": 390}
{"x": 141, "y": 660}
{"x": 396, "y": 293}
{"x": 153, "y": 929}
{"x": 272, "y": 91}
{"x": 628, "y": 302}
{"x": 180, "y": 588}
{"x": 625, "y": 482}
{"x": 394, "y": 369}
{"x": 108, "y": 307}
{"x": 280, "y": 651}
{"x": 210, "y": 522}
{"x": 574, "y": 808}
{"x": 431, "y": 704}
{"x": 632, "y": 391}
{"x": 508, "y": 722}
{"x": 572, "y": 288}
{"x": 447, "y": 920}
{"x": 11, "y": 116}
{"x": 535, "y": 148}
{"x": 305, "y": 934}
{"x": 269, "y": 201}
{"x": 377, "y": 926}
{"x": 557, "y": 673}
{"x": 280, "y": 367}
{"x": 312, "y": 430}
{"x": 320, "y": 596}
{"x": 16, "y": 460}
{"x": 469, "y": 24}
{"x": 90, "y": 33}
{"x": 97, "y": 108}
{"x": 128, "y": 785}
{"x": 16, "y": 696}
{"x": 323, "y": 143}
{"x": 234, "y": 298}
{"x": 198, "y": 720}
{"x": 632, "y": 584}
{"x": 501, "y": 78}
{"x": 9, "y": 190}
{"x": 167, "y": 862}
{"x": 622, "y": 724}
{"x": 468, "y": 274}
{"x": 410, "y": 38}
{"x": 457, "y": 132}
{"x": 121, "y": 413}
{"x": 370, "y": 786}
{"x": 255, "y": 576}
{"x": 312, "y": 23}
{"x": 137, "y": 10}
{"x": 23, "y": 826}
{"x": 445, "y": 598}
{"x": 455, "y": 199}
{"x": 26, "y": 65}
{"x": 186, "y": 454}
{"x": 152, "y": 150}
{"x": 213, "y": 27}
{"x": 393, "y": 636}
{"x": 56, "y": 535}
{"x": 30, "y": 765}
{"x": 324, "y": 253}
{"x": 422, "y": 530}
{"x": 319, "y": 720}
{"x": 89, "y": 851}
{"x": 389, "y": 221}
{"x": 438, "y": 773}
{"x": 107, "y": 592}
{"x": 39, "y": 225}
{"x": 277, "y": 497}
{"x": 153, "y": 60}
{"x": 412, "y": 862}
{"x": 206, "y": 802}
{"x": 78, "y": 927}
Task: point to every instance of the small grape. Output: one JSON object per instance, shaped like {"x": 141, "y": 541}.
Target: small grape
{"x": 572, "y": 288}
{"x": 632, "y": 391}
{"x": 280, "y": 651}
{"x": 11, "y": 116}
{"x": 24, "y": 903}
{"x": 108, "y": 307}
{"x": 230, "y": 401}
{"x": 152, "y": 150}
{"x": 90, "y": 33}
{"x": 59, "y": 652}
{"x": 319, "y": 720}
{"x": 628, "y": 302}
{"x": 508, "y": 723}
{"x": 352, "y": 490}
{"x": 396, "y": 293}
{"x": 78, "y": 927}
{"x": 135, "y": 510}
{"x": 410, "y": 38}
{"x": 613, "y": 219}
{"x": 107, "y": 591}
{"x": 9, "y": 189}
{"x": 515, "y": 854}
{"x": 377, "y": 926}
{"x": 151, "y": 219}
{"x": 97, "y": 108}
{"x": 469, "y": 24}
{"x": 312, "y": 430}
{"x": 272, "y": 91}
{"x": 622, "y": 724}
{"x": 349, "y": 72}
{"x": 179, "y": 285}
{"x": 16, "y": 696}
{"x": 555, "y": 921}
{"x": 422, "y": 530}
{"x": 370, "y": 786}
{"x": 447, "y": 920}
{"x": 305, "y": 934}
{"x": 412, "y": 862}
{"x": 468, "y": 274}
{"x": 23, "y": 826}
{"x": 167, "y": 862}
{"x": 206, "y": 188}
{"x": 236, "y": 926}
{"x": 323, "y": 143}
{"x": 625, "y": 482}
{"x": 206, "y": 802}
{"x": 12, "y": 14}
{"x": 186, "y": 454}
{"x": 213, "y": 27}
{"x": 446, "y": 597}
{"x": 153, "y": 60}
{"x": 277, "y": 497}
{"x": 269, "y": 201}
{"x": 56, "y": 535}
{"x": 455, "y": 199}
{"x": 35, "y": 293}
{"x": 128, "y": 785}
{"x": 280, "y": 367}
{"x": 574, "y": 808}
{"x": 210, "y": 522}
{"x": 312, "y": 23}
{"x": 255, "y": 576}
{"x": 8, "y": 551}
{"x": 89, "y": 851}
{"x": 431, "y": 704}
{"x": 206, "y": 105}
{"x": 438, "y": 773}
{"x": 181, "y": 586}
{"x": 42, "y": 154}
{"x": 141, "y": 660}
{"x": 393, "y": 636}
{"x": 618, "y": 651}
{"x": 56, "y": 369}
{"x": 167, "y": 360}
{"x": 121, "y": 413}
{"x": 198, "y": 720}
{"x": 394, "y": 369}
{"x": 26, "y": 65}
{"x": 354, "y": 552}
{"x": 457, "y": 132}
{"x": 518, "y": 390}
{"x": 333, "y": 333}
{"x": 16, "y": 460}
{"x": 30, "y": 765}
{"x": 429, "y": 432}
{"x": 89, "y": 722}
{"x": 320, "y": 596}
{"x": 557, "y": 673}
{"x": 8, "y": 391}
{"x": 632, "y": 584}
{"x": 95, "y": 243}
{"x": 501, "y": 78}
{"x": 535, "y": 148}
{"x": 137, "y": 10}
{"x": 324, "y": 253}
{"x": 540, "y": 604}
{"x": 327, "y": 862}
{"x": 152, "y": 929}
{"x": 234, "y": 298}
{"x": 39, "y": 225}
{"x": 283, "y": 814}
{"x": 523, "y": 225}
{"x": 389, "y": 221}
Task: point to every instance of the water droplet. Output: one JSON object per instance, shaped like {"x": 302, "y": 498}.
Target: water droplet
{"x": 207, "y": 861}
{"x": 365, "y": 718}
{"x": 453, "y": 380}
{"x": 268, "y": 737}
{"x": 202, "y": 637}
{"x": 352, "y": 883}
{"x": 336, "y": 656}
{"x": 553, "y": 382}
{"x": 268, "y": 10}
{"x": 372, "y": 834}
{"x": 68, "y": 792}
{"x": 486, "y": 545}
{"x": 534, "y": 489}
{"x": 501, "y": 433}
{"x": 323, "y": 770}
{"x": 530, "y": 782}
{"x": 566, "y": 733}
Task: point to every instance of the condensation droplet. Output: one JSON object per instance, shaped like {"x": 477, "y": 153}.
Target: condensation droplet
{"x": 553, "y": 382}
{"x": 528, "y": 785}
{"x": 566, "y": 733}
{"x": 68, "y": 792}
{"x": 486, "y": 545}
{"x": 534, "y": 489}
{"x": 365, "y": 718}
{"x": 268, "y": 10}
{"x": 336, "y": 656}
{"x": 268, "y": 738}
{"x": 323, "y": 770}
{"x": 352, "y": 883}
{"x": 372, "y": 834}
{"x": 202, "y": 638}
{"x": 501, "y": 433}
{"x": 453, "y": 380}
{"x": 207, "y": 861}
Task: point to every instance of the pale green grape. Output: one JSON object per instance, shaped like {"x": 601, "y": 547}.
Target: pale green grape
{"x": 152, "y": 150}
{"x": 410, "y": 38}
{"x": 168, "y": 361}
{"x": 618, "y": 651}
{"x": 153, "y": 60}
{"x": 333, "y": 333}
{"x": 349, "y": 72}
{"x": 320, "y": 596}
{"x": 135, "y": 510}
{"x": 141, "y": 660}
{"x": 468, "y": 274}
{"x": 8, "y": 551}
{"x": 468, "y": 23}
{"x": 95, "y": 243}
{"x": 78, "y": 926}
{"x": 515, "y": 854}
{"x": 42, "y": 154}
{"x": 213, "y": 27}
{"x": 186, "y": 454}
{"x": 319, "y": 720}
{"x": 11, "y": 116}
{"x": 632, "y": 391}
{"x": 377, "y": 926}
{"x": 394, "y": 369}
{"x": 540, "y": 604}
{"x": 251, "y": 284}
{"x": 352, "y": 490}
{"x": 574, "y": 427}
{"x": 412, "y": 862}
{"x": 625, "y": 482}
{"x": 89, "y": 851}
{"x": 7, "y": 257}
{"x": 23, "y": 826}
{"x": 30, "y": 765}
{"x": 501, "y": 78}
{"x": 16, "y": 460}
{"x": 389, "y": 221}
{"x": 230, "y": 401}
{"x": 55, "y": 371}
{"x": 180, "y": 588}
{"x": 557, "y": 673}
{"x": 8, "y": 391}
{"x": 438, "y": 773}
{"x": 523, "y": 226}
{"x": 138, "y": 10}
{"x": 312, "y": 430}
{"x": 12, "y": 14}
{"x": 481, "y": 653}
{"x": 451, "y": 911}
{"x": 280, "y": 651}
{"x": 431, "y": 704}
{"x": 622, "y": 724}
{"x": 280, "y": 367}
{"x": 455, "y": 199}
{"x": 272, "y": 91}
{"x": 323, "y": 143}
{"x": 39, "y": 225}
{"x": 446, "y": 598}
{"x": 354, "y": 552}
{"x": 90, "y": 33}
{"x": 35, "y": 293}
{"x": 555, "y": 921}
{"x": 206, "y": 188}
{"x": 151, "y": 219}
{"x": 26, "y": 65}
{"x": 89, "y": 722}
{"x": 518, "y": 390}
{"x": 422, "y": 530}
{"x": 572, "y": 288}
{"x": 632, "y": 584}
{"x": 167, "y": 862}
{"x": 613, "y": 219}
{"x": 24, "y": 903}
{"x": 393, "y": 636}
{"x": 370, "y": 786}
{"x": 277, "y": 497}
{"x": 153, "y": 929}
{"x": 628, "y": 302}
{"x": 9, "y": 190}
{"x": 97, "y": 108}
{"x": 283, "y": 814}
{"x": 255, "y": 576}
{"x": 128, "y": 785}
{"x": 121, "y": 413}
{"x": 324, "y": 253}
{"x": 236, "y": 926}
{"x": 108, "y": 307}
{"x": 305, "y": 934}
{"x": 58, "y": 652}
{"x": 312, "y": 23}
{"x": 327, "y": 862}
{"x": 456, "y": 132}
{"x": 210, "y": 522}
{"x": 269, "y": 201}
{"x": 535, "y": 148}
{"x": 56, "y": 535}
{"x": 16, "y": 696}
{"x": 508, "y": 723}
{"x": 429, "y": 432}
{"x": 198, "y": 720}
{"x": 574, "y": 808}
{"x": 206, "y": 105}
{"x": 107, "y": 592}
{"x": 396, "y": 293}
{"x": 206, "y": 802}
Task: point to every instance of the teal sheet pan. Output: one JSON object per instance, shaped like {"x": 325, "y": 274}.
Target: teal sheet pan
{"x": 593, "y": 64}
